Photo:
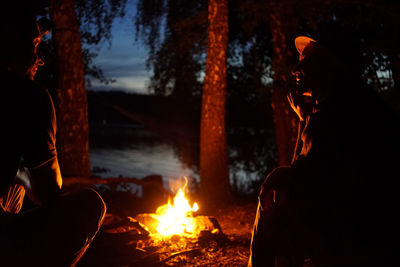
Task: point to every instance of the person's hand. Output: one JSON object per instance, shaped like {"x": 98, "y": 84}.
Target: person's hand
{"x": 23, "y": 178}
{"x": 300, "y": 103}
{"x": 296, "y": 108}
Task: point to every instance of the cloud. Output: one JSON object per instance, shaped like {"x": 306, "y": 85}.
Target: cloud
{"x": 129, "y": 76}
{"x": 134, "y": 84}
{"x": 122, "y": 50}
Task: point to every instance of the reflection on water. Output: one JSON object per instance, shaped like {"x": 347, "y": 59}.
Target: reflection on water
{"x": 133, "y": 152}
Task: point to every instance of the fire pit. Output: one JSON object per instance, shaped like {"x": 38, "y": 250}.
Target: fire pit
{"x": 199, "y": 240}
{"x": 175, "y": 229}
{"x": 178, "y": 218}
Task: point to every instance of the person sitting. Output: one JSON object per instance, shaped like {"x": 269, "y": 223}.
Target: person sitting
{"x": 61, "y": 225}
{"x": 336, "y": 204}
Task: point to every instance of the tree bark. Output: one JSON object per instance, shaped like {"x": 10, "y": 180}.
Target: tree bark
{"x": 214, "y": 175}
{"x": 283, "y": 25}
{"x": 72, "y": 116}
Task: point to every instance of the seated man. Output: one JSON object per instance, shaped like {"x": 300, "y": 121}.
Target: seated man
{"x": 61, "y": 226}
{"x": 336, "y": 204}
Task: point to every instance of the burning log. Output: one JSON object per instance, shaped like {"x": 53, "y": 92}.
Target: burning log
{"x": 177, "y": 222}
{"x": 125, "y": 225}
{"x": 204, "y": 225}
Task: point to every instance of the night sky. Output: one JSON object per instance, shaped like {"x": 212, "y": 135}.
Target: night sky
{"x": 123, "y": 61}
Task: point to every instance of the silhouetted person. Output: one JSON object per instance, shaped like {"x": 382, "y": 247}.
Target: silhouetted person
{"x": 58, "y": 230}
{"x": 337, "y": 203}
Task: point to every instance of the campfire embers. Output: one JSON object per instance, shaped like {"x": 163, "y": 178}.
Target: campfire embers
{"x": 177, "y": 219}
{"x": 203, "y": 226}
{"x": 176, "y": 231}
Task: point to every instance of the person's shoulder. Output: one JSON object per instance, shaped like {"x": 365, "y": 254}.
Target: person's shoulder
{"x": 35, "y": 104}
{"x": 34, "y": 94}
{"x": 278, "y": 177}
{"x": 20, "y": 87}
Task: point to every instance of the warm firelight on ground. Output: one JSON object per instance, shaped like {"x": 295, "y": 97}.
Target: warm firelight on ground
{"x": 176, "y": 217}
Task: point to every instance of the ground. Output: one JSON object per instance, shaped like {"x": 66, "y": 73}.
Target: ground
{"x": 120, "y": 243}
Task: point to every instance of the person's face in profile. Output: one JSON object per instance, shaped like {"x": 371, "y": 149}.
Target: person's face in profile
{"x": 316, "y": 73}
{"x": 20, "y": 49}
{"x": 300, "y": 98}
{"x": 35, "y": 60}
{"x": 30, "y": 40}
{"x": 302, "y": 74}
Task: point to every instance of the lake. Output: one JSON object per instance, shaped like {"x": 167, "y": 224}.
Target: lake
{"x": 133, "y": 151}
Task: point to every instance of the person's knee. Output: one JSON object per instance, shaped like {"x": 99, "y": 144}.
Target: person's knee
{"x": 93, "y": 198}
{"x": 96, "y": 208}
{"x": 88, "y": 208}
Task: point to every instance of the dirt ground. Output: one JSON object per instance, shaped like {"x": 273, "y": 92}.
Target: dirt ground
{"x": 119, "y": 243}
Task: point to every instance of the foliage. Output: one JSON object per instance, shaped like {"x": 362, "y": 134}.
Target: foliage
{"x": 95, "y": 20}
{"x": 372, "y": 24}
{"x": 175, "y": 33}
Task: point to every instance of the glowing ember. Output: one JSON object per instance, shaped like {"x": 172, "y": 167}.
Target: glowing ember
{"x": 176, "y": 218}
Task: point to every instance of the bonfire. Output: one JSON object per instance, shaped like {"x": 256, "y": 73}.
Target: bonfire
{"x": 177, "y": 218}
{"x": 175, "y": 235}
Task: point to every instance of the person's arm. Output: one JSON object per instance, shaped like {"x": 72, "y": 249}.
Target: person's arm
{"x": 40, "y": 156}
{"x": 274, "y": 241}
{"x": 45, "y": 182}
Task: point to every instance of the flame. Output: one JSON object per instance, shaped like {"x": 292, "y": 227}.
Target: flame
{"x": 176, "y": 218}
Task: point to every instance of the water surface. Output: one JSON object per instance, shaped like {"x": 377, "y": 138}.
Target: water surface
{"x": 132, "y": 151}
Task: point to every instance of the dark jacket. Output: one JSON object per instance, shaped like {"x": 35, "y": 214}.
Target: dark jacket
{"x": 338, "y": 199}
{"x": 28, "y": 127}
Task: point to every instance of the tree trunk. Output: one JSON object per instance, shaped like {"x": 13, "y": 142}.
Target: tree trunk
{"x": 283, "y": 25}
{"x": 72, "y": 116}
{"x": 214, "y": 175}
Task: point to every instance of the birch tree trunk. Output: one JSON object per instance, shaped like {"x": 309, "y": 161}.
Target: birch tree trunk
{"x": 72, "y": 116}
{"x": 214, "y": 175}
